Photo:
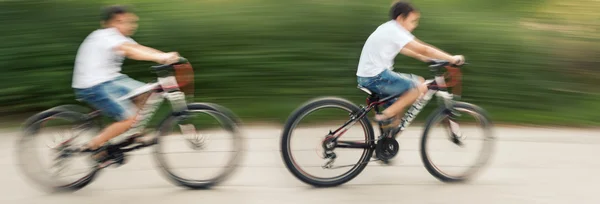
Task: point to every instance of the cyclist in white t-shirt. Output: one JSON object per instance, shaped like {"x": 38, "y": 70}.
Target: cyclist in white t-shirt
{"x": 377, "y": 59}
{"x": 97, "y": 77}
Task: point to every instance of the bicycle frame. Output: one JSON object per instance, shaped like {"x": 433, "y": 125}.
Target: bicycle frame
{"x": 436, "y": 86}
{"x": 165, "y": 88}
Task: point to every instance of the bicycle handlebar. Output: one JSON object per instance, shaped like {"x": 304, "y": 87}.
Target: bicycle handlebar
{"x": 442, "y": 63}
{"x": 163, "y": 67}
{"x": 436, "y": 64}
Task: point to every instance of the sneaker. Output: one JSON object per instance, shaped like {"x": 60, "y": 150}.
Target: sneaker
{"x": 99, "y": 155}
{"x": 388, "y": 124}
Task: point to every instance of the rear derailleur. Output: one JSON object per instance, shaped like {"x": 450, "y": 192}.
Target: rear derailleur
{"x": 328, "y": 145}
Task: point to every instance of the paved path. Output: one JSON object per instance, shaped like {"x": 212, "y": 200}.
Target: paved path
{"x": 531, "y": 165}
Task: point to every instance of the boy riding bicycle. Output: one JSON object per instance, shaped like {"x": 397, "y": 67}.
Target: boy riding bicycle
{"x": 97, "y": 79}
{"x": 377, "y": 59}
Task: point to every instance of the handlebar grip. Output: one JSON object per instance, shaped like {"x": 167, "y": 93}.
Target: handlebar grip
{"x": 182, "y": 60}
{"x": 158, "y": 68}
{"x": 442, "y": 63}
{"x": 436, "y": 65}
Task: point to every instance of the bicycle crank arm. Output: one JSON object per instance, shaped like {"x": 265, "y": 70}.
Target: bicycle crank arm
{"x": 105, "y": 164}
{"x": 110, "y": 162}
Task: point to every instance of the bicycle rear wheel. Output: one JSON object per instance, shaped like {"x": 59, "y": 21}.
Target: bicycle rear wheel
{"x": 206, "y": 128}
{"x": 444, "y": 153}
{"x": 299, "y": 129}
{"x": 53, "y": 131}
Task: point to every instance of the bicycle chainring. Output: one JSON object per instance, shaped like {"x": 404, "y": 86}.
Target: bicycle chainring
{"x": 387, "y": 148}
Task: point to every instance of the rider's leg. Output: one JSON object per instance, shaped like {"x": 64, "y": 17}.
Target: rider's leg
{"x": 122, "y": 111}
{"x": 396, "y": 108}
{"x": 139, "y": 102}
{"x": 400, "y": 107}
{"x": 389, "y": 83}
{"x": 422, "y": 89}
{"x": 110, "y": 132}
{"x": 106, "y": 98}
{"x": 387, "y": 113}
{"x": 411, "y": 87}
{"x": 141, "y": 99}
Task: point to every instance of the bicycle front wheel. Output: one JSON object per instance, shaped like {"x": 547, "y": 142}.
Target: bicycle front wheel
{"x": 307, "y": 132}
{"x": 212, "y": 133}
{"x": 456, "y": 148}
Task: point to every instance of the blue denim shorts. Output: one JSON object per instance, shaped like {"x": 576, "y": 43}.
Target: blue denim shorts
{"x": 388, "y": 83}
{"x": 105, "y": 96}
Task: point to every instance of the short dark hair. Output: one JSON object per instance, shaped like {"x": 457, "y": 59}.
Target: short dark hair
{"x": 401, "y": 8}
{"x": 109, "y": 12}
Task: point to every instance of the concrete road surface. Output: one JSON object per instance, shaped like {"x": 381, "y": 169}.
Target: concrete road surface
{"x": 530, "y": 165}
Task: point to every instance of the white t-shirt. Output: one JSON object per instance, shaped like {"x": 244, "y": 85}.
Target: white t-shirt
{"x": 381, "y": 48}
{"x": 97, "y": 61}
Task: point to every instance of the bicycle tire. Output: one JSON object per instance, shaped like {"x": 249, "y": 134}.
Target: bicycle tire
{"x": 29, "y": 130}
{"x": 233, "y": 124}
{"x": 293, "y": 120}
{"x": 483, "y": 159}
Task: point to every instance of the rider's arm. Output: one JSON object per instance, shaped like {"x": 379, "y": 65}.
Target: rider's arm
{"x": 149, "y": 49}
{"x": 136, "y": 52}
{"x": 133, "y": 50}
{"x": 431, "y": 46}
{"x": 429, "y": 51}
{"x": 410, "y": 53}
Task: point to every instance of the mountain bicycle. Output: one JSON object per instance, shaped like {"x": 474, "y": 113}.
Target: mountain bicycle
{"x": 76, "y": 122}
{"x": 331, "y": 143}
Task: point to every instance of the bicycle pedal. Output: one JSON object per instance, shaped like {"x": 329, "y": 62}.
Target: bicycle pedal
{"x": 457, "y": 141}
{"x": 395, "y": 132}
{"x": 109, "y": 163}
{"x": 113, "y": 160}
{"x": 387, "y": 162}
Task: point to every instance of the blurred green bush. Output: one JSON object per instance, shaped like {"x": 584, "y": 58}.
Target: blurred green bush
{"x": 531, "y": 61}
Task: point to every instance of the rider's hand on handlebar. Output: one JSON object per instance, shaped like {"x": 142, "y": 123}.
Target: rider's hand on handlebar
{"x": 458, "y": 59}
{"x": 169, "y": 58}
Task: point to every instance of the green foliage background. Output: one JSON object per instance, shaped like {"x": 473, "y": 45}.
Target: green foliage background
{"x": 531, "y": 61}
